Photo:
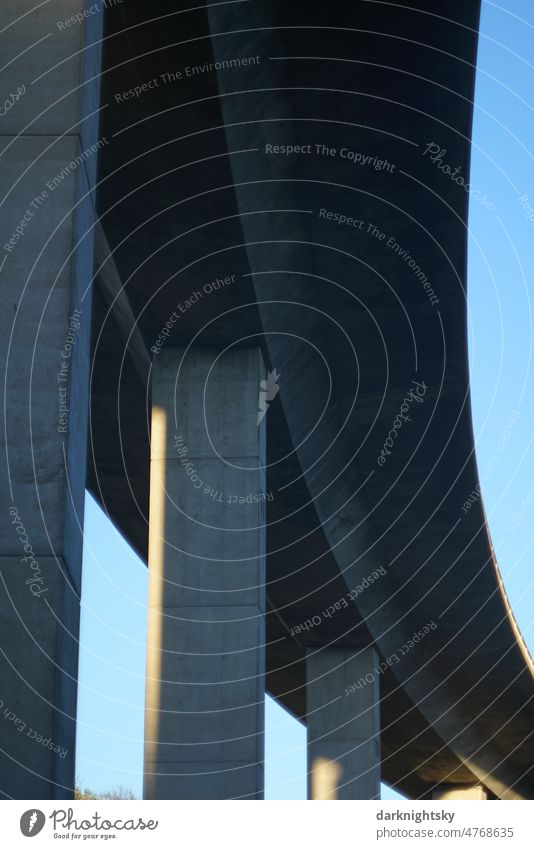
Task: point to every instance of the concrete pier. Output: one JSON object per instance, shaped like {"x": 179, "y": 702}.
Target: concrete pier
{"x": 460, "y": 792}
{"x": 343, "y": 722}
{"x": 46, "y": 264}
{"x": 205, "y": 660}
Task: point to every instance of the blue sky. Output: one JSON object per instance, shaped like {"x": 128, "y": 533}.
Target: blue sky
{"x": 501, "y": 263}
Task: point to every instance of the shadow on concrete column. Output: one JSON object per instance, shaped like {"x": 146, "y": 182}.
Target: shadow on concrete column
{"x": 343, "y": 722}
{"x": 204, "y": 730}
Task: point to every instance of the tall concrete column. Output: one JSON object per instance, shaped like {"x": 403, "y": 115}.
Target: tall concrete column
{"x": 48, "y": 159}
{"x": 460, "y": 792}
{"x": 204, "y": 727}
{"x": 343, "y": 724}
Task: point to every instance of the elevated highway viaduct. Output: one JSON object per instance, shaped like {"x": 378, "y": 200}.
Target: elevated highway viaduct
{"x": 267, "y": 249}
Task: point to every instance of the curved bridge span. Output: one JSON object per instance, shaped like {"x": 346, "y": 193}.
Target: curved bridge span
{"x": 270, "y": 382}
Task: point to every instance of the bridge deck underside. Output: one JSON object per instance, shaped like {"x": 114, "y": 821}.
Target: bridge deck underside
{"x": 185, "y": 202}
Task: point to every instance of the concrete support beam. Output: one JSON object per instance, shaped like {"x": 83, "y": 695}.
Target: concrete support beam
{"x": 343, "y": 724}
{"x": 204, "y": 731}
{"x": 46, "y": 263}
{"x": 459, "y": 792}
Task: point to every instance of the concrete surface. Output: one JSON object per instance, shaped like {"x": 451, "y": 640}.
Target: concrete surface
{"x": 46, "y": 272}
{"x": 343, "y": 724}
{"x": 206, "y": 632}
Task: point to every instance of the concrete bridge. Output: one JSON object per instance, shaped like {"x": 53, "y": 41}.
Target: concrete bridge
{"x": 234, "y": 266}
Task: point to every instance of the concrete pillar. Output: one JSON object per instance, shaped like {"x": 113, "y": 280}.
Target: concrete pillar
{"x": 343, "y": 724}
{"x": 459, "y": 792}
{"x": 204, "y": 727}
{"x": 46, "y": 263}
